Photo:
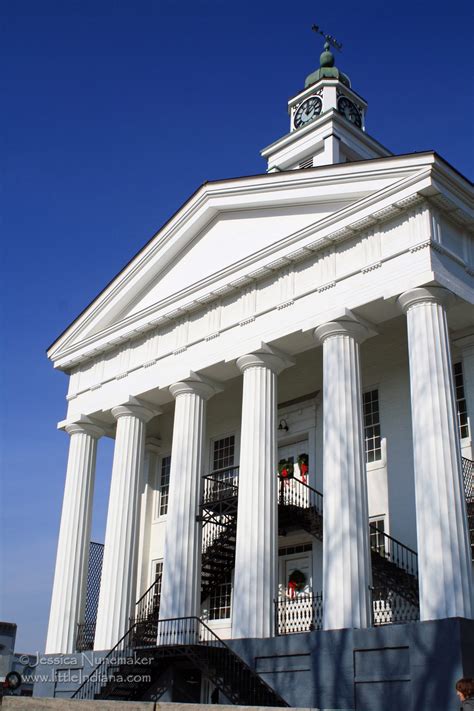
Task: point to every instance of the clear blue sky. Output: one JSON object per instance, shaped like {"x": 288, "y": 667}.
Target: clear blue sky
{"x": 113, "y": 113}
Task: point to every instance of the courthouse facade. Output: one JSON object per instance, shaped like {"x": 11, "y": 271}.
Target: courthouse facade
{"x": 287, "y": 370}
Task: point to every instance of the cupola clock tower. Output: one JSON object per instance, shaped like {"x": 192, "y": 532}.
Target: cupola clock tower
{"x": 327, "y": 121}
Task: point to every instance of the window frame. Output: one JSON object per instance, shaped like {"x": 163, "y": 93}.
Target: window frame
{"x": 467, "y": 437}
{"x": 157, "y": 515}
{"x": 382, "y": 461}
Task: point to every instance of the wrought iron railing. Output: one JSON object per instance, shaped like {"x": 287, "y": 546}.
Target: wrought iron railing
{"x": 108, "y": 667}
{"x": 149, "y": 603}
{"x": 219, "y": 504}
{"x": 295, "y": 492}
{"x": 220, "y": 485}
{"x": 468, "y": 477}
{"x": 392, "y": 550}
{"x": 200, "y": 644}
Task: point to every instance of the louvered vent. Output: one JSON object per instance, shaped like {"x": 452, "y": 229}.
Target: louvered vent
{"x": 307, "y": 163}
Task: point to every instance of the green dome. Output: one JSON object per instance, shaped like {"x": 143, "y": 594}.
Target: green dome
{"x": 326, "y": 59}
{"x": 326, "y": 70}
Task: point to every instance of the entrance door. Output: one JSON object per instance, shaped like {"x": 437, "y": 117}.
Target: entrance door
{"x": 295, "y": 603}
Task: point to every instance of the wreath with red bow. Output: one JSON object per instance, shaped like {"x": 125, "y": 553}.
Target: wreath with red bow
{"x": 286, "y": 469}
{"x": 303, "y": 464}
{"x": 296, "y": 582}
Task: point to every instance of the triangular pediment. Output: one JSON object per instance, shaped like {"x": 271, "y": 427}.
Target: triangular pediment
{"x": 225, "y": 233}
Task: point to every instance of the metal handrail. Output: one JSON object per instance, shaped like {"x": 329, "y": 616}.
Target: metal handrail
{"x": 220, "y": 485}
{"x": 295, "y": 492}
{"x": 395, "y": 552}
{"x": 148, "y": 603}
{"x": 180, "y": 632}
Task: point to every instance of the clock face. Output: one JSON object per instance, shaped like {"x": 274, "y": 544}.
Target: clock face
{"x": 307, "y": 111}
{"x": 350, "y": 111}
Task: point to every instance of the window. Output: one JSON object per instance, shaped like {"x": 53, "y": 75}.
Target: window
{"x": 377, "y": 538}
{"x": 158, "y": 576}
{"x": 461, "y": 405}
{"x": 290, "y": 550}
{"x": 223, "y": 454}
{"x": 373, "y": 448}
{"x": 219, "y": 601}
{"x": 164, "y": 485}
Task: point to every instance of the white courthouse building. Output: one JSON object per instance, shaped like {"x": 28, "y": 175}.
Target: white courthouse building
{"x": 287, "y": 370}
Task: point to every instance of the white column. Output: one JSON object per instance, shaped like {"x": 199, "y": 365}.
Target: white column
{"x": 181, "y": 582}
{"x": 70, "y": 577}
{"x": 346, "y": 553}
{"x": 119, "y": 568}
{"x": 444, "y": 562}
{"x": 256, "y": 559}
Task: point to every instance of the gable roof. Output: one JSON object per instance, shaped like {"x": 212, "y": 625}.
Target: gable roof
{"x": 350, "y": 187}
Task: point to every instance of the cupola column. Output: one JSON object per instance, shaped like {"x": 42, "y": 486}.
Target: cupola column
{"x": 444, "y": 560}
{"x": 256, "y": 558}
{"x": 119, "y": 569}
{"x": 181, "y": 586}
{"x": 346, "y": 553}
{"x": 72, "y": 561}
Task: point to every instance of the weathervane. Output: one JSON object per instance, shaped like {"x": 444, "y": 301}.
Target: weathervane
{"x": 329, "y": 38}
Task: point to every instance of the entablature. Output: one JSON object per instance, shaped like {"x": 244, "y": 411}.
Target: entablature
{"x": 178, "y": 314}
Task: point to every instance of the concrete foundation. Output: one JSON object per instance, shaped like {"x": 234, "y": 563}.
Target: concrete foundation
{"x": 413, "y": 666}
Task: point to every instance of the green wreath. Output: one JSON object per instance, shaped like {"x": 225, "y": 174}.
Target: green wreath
{"x": 297, "y": 580}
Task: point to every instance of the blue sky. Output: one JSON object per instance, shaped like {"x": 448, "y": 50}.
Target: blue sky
{"x": 114, "y": 112}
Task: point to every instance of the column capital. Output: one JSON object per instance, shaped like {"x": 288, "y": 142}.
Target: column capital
{"x": 266, "y": 357}
{"x": 195, "y": 385}
{"x": 85, "y": 427}
{"x": 342, "y": 327}
{"x": 144, "y": 411}
{"x": 153, "y": 444}
{"x": 423, "y": 295}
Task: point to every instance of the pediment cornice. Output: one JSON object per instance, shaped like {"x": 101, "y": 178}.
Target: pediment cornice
{"x": 423, "y": 182}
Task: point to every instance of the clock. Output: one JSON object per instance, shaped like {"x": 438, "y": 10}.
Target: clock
{"x": 307, "y": 111}
{"x": 350, "y": 111}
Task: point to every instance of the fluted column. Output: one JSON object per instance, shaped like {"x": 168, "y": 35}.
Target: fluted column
{"x": 70, "y": 576}
{"x": 119, "y": 568}
{"x": 444, "y": 561}
{"x": 346, "y": 554}
{"x": 181, "y": 582}
{"x": 256, "y": 558}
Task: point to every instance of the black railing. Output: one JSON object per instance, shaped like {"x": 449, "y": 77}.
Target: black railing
{"x": 295, "y": 492}
{"x": 220, "y": 485}
{"x": 392, "y": 550}
{"x": 468, "y": 477}
{"x": 213, "y": 656}
{"x": 108, "y": 666}
{"x": 149, "y": 603}
{"x": 302, "y": 613}
{"x": 193, "y": 638}
{"x": 85, "y": 636}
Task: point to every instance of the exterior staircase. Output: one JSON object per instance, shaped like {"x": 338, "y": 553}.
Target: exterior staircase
{"x": 140, "y": 659}
{"x": 394, "y": 570}
{"x": 219, "y": 527}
